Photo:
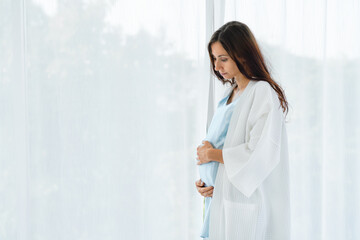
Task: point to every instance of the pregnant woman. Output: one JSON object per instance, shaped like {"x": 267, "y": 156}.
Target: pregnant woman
{"x": 243, "y": 161}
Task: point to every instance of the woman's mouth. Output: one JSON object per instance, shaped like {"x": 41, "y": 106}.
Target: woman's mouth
{"x": 223, "y": 74}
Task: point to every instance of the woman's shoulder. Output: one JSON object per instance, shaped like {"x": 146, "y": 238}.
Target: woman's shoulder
{"x": 264, "y": 92}
{"x": 263, "y": 89}
{"x": 262, "y": 86}
{"x": 259, "y": 87}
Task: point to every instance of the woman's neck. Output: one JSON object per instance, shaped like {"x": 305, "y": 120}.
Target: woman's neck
{"x": 241, "y": 83}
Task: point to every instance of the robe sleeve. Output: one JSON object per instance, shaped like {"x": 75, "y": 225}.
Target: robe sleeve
{"x": 248, "y": 164}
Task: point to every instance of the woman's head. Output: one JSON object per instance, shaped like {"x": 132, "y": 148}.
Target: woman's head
{"x": 223, "y": 63}
{"x": 238, "y": 43}
{"x": 232, "y": 50}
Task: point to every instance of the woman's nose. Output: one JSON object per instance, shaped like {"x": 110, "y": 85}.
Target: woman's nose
{"x": 216, "y": 66}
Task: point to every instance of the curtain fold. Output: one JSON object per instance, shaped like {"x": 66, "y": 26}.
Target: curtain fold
{"x": 102, "y": 108}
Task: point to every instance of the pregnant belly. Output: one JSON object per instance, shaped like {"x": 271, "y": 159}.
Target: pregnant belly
{"x": 207, "y": 172}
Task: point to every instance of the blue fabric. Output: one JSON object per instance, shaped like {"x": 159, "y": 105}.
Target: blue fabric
{"x": 216, "y": 136}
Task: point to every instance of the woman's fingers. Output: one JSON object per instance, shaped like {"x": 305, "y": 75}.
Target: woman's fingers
{"x": 208, "y": 189}
{"x": 199, "y": 183}
{"x": 199, "y": 188}
{"x": 208, "y": 193}
{"x": 205, "y": 189}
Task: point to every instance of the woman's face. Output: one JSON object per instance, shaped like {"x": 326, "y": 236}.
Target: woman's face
{"x": 223, "y": 62}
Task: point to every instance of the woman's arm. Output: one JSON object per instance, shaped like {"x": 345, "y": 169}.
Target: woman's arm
{"x": 249, "y": 163}
{"x": 215, "y": 155}
{"x": 206, "y": 153}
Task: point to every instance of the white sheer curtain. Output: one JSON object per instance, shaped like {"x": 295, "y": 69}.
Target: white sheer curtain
{"x": 102, "y": 106}
{"x": 312, "y": 47}
{"x": 104, "y": 102}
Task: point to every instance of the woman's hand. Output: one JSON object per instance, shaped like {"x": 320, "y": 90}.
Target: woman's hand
{"x": 204, "y": 191}
{"x": 202, "y": 152}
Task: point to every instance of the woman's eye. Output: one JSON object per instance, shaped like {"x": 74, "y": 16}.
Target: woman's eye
{"x": 223, "y": 60}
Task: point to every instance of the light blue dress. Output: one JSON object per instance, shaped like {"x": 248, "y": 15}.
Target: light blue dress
{"x": 216, "y": 136}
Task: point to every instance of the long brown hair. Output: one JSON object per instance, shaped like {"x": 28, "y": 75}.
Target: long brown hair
{"x": 239, "y": 42}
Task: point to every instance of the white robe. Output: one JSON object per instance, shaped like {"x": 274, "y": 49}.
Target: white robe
{"x": 251, "y": 193}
